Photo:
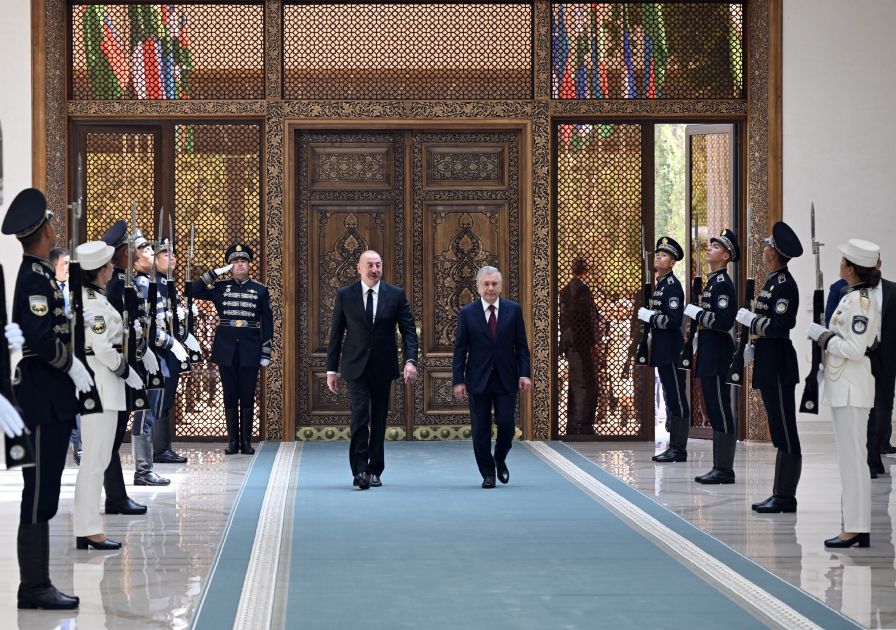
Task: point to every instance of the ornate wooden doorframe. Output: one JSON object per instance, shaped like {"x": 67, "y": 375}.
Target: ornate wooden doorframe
{"x": 289, "y": 247}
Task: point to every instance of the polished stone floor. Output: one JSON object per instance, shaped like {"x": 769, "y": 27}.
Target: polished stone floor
{"x": 860, "y": 583}
{"x": 156, "y": 580}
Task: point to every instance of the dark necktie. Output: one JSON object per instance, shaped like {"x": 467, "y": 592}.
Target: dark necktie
{"x": 492, "y": 321}
{"x": 369, "y": 308}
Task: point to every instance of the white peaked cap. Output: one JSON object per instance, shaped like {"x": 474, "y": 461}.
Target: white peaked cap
{"x": 94, "y": 254}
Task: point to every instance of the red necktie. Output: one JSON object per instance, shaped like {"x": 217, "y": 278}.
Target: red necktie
{"x": 492, "y": 321}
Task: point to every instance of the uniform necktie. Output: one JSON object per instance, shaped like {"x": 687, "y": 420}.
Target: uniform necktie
{"x": 492, "y": 321}
{"x": 62, "y": 287}
{"x": 369, "y": 308}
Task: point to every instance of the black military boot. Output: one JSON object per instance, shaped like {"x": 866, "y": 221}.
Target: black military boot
{"x": 233, "y": 431}
{"x": 35, "y": 588}
{"x": 715, "y": 458}
{"x": 723, "y": 473}
{"x": 247, "y": 414}
{"x": 788, "y": 469}
{"x": 161, "y": 443}
{"x": 678, "y": 442}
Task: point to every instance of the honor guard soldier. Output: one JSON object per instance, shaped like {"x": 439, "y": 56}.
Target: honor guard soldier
{"x": 665, "y": 317}
{"x": 44, "y": 392}
{"x": 242, "y": 341}
{"x": 776, "y": 373}
{"x": 142, "y": 427}
{"x": 172, "y": 357}
{"x": 715, "y": 347}
{"x": 117, "y": 499}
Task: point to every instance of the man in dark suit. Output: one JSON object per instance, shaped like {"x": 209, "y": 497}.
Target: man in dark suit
{"x": 366, "y": 313}
{"x": 883, "y": 366}
{"x": 491, "y": 362}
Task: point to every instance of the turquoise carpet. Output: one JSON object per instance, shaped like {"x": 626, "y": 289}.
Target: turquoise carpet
{"x": 431, "y": 549}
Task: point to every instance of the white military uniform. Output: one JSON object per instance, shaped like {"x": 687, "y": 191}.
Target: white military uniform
{"x": 103, "y": 339}
{"x": 849, "y": 391}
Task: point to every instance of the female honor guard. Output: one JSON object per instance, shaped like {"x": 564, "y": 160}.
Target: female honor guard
{"x": 242, "y": 342}
{"x": 666, "y": 341}
{"x": 776, "y": 373}
{"x": 849, "y": 384}
{"x": 715, "y": 316}
{"x": 104, "y": 334}
{"x": 44, "y": 392}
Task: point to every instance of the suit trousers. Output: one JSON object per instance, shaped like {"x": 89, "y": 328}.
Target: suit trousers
{"x": 113, "y": 478}
{"x": 849, "y": 429}
{"x": 717, "y": 399}
{"x": 97, "y": 437}
{"x": 780, "y": 406}
{"x": 481, "y": 405}
{"x": 369, "y": 399}
{"x": 582, "y": 395}
{"x": 238, "y": 384}
{"x": 40, "y": 496}
{"x": 673, "y": 382}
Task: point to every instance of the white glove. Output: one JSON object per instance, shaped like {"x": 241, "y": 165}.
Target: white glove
{"x": 194, "y": 309}
{"x": 160, "y": 319}
{"x": 87, "y": 314}
{"x": 181, "y": 313}
{"x": 745, "y": 317}
{"x": 814, "y": 331}
{"x": 10, "y": 421}
{"x": 265, "y": 362}
{"x": 133, "y": 380}
{"x": 220, "y": 271}
{"x": 150, "y": 362}
{"x": 692, "y": 311}
{"x": 749, "y": 352}
{"x": 14, "y": 336}
{"x": 191, "y": 343}
{"x": 80, "y": 376}
{"x": 644, "y": 314}
{"x": 138, "y": 328}
{"x": 178, "y": 351}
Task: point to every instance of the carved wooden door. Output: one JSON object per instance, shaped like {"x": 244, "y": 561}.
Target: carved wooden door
{"x": 437, "y": 206}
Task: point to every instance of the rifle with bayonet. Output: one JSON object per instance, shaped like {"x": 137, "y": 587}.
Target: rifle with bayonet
{"x": 736, "y": 370}
{"x": 194, "y": 355}
{"x": 174, "y": 325}
{"x": 152, "y": 304}
{"x": 19, "y": 449}
{"x": 809, "y": 402}
{"x": 87, "y": 402}
{"x": 137, "y": 398}
{"x": 643, "y": 355}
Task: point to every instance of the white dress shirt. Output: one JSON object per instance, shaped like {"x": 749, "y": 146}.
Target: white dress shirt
{"x": 376, "y": 294}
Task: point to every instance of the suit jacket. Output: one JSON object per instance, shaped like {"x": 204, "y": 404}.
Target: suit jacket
{"x": 363, "y": 345}
{"x": 476, "y": 354}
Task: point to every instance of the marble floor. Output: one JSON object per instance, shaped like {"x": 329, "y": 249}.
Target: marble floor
{"x": 860, "y": 583}
{"x": 157, "y": 579}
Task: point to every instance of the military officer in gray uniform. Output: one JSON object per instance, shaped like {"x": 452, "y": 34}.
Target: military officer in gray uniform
{"x": 665, "y": 317}
{"x": 242, "y": 341}
{"x": 48, "y": 379}
{"x": 776, "y": 373}
{"x": 715, "y": 347}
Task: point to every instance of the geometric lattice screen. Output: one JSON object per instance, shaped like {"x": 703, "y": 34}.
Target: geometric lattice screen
{"x": 629, "y": 50}
{"x": 217, "y": 188}
{"x": 598, "y": 213}
{"x": 167, "y": 51}
{"x": 430, "y": 50}
{"x": 214, "y": 184}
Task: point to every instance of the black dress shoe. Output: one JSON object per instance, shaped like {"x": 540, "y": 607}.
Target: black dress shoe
{"x": 83, "y": 542}
{"x": 503, "y": 473}
{"x": 888, "y": 450}
{"x": 46, "y": 597}
{"x": 862, "y": 540}
{"x": 150, "y": 479}
{"x": 777, "y": 505}
{"x": 128, "y": 506}
{"x": 362, "y": 481}
{"x": 756, "y": 505}
{"x": 671, "y": 455}
{"x": 488, "y": 482}
{"x": 877, "y": 471}
{"x": 168, "y": 457}
{"x": 716, "y": 476}
{"x": 375, "y": 481}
